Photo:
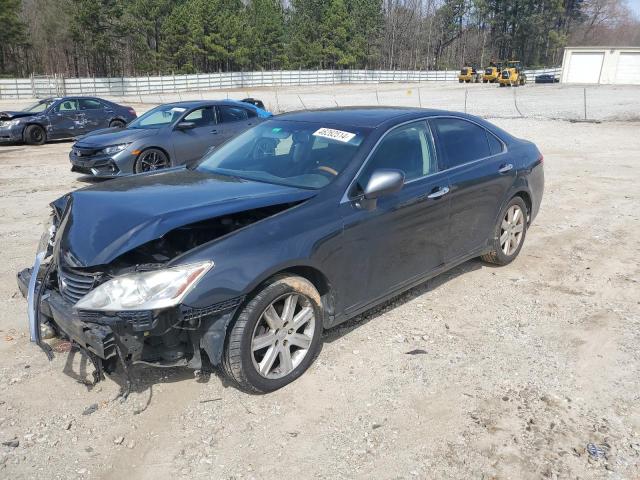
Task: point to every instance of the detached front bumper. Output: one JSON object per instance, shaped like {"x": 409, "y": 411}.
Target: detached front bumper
{"x": 98, "y": 339}
{"x": 171, "y": 337}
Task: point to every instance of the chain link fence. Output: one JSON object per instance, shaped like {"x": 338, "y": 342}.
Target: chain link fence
{"x": 315, "y": 89}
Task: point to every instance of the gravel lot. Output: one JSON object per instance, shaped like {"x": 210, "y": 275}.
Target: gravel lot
{"x": 515, "y": 371}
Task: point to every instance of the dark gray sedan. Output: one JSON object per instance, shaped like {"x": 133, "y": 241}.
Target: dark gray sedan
{"x": 168, "y": 135}
{"x": 60, "y": 118}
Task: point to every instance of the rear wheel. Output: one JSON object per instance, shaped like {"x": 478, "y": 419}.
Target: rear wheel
{"x": 151, "y": 159}
{"x": 34, "y": 135}
{"x": 117, "y": 124}
{"x": 276, "y": 337}
{"x": 509, "y": 233}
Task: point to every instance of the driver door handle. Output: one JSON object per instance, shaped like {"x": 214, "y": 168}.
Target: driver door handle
{"x": 506, "y": 168}
{"x": 214, "y": 131}
{"x": 439, "y": 193}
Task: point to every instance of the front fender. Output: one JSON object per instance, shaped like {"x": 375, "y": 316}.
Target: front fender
{"x": 300, "y": 237}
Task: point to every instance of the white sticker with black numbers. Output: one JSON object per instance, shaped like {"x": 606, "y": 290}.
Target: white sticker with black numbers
{"x": 338, "y": 135}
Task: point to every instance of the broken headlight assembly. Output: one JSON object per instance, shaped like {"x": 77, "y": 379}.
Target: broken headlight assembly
{"x": 149, "y": 290}
{"x": 10, "y": 123}
{"x": 115, "y": 148}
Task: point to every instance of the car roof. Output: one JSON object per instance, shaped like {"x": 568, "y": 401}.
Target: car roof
{"x": 369, "y": 117}
{"x": 204, "y": 103}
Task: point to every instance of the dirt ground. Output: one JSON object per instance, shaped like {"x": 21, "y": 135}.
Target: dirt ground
{"x": 514, "y": 372}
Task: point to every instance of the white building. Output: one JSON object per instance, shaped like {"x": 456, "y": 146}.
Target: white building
{"x": 610, "y": 65}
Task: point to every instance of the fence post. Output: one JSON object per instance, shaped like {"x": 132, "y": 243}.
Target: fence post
{"x": 585, "y": 103}
{"x": 466, "y": 93}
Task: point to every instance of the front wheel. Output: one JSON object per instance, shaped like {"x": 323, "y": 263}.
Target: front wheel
{"x": 151, "y": 159}
{"x": 34, "y": 135}
{"x": 509, "y": 233}
{"x": 117, "y": 124}
{"x": 276, "y": 336}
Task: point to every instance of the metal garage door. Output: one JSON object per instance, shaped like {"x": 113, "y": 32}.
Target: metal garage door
{"x": 585, "y": 67}
{"x": 628, "y": 70}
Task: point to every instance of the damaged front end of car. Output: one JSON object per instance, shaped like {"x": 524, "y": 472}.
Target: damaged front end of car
{"x": 134, "y": 307}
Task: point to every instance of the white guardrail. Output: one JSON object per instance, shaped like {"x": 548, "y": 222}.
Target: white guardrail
{"x": 45, "y": 86}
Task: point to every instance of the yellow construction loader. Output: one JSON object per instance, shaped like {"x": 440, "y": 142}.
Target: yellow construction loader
{"x": 512, "y": 75}
{"x": 492, "y": 72}
{"x": 468, "y": 75}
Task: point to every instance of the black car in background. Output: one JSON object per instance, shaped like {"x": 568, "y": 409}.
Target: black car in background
{"x": 60, "y": 118}
{"x": 294, "y": 226}
{"x": 547, "y": 78}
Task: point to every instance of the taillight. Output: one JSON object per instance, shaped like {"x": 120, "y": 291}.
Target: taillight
{"x": 132, "y": 111}
{"x": 541, "y": 159}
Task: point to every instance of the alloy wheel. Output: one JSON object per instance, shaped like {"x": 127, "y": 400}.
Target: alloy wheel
{"x": 152, "y": 160}
{"x": 282, "y": 336}
{"x": 511, "y": 230}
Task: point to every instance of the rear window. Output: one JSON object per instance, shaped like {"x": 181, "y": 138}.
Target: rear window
{"x": 495, "y": 145}
{"x": 232, "y": 114}
{"x": 90, "y": 104}
{"x": 461, "y": 141}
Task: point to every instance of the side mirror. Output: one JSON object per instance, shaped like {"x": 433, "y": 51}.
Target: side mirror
{"x": 382, "y": 182}
{"x": 185, "y": 126}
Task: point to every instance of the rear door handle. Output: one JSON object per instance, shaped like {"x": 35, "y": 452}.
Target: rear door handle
{"x": 214, "y": 131}
{"x": 506, "y": 168}
{"x": 439, "y": 193}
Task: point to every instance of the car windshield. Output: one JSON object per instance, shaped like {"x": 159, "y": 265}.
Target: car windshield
{"x": 158, "y": 117}
{"x": 300, "y": 154}
{"x": 39, "y": 107}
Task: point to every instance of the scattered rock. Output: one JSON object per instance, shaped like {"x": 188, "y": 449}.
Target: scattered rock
{"x": 595, "y": 451}
{"x": 13, "y": 443}
{"x": 90, "y": 409}
{"x": 399, "y": 339}
{"x": 118, "y": 440}
{"x": 418, "y": 351}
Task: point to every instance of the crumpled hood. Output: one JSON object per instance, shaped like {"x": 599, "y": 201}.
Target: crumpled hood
{"x": 10, "y": 115}
{"x": 104, "y": 221}
{"x": 114, "y": 136}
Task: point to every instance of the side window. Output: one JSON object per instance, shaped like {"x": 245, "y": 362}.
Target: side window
{"x": 251, "y": 113}
{"x": 495, "y": 145}
{"x": 407, "y": 148}
{"x": 232, "y": 114}
{"x": 67, "y": 106}
{"x": 90, "y": 104}
{"x": 202, "y": 117}
{"x": 461, "y": 141}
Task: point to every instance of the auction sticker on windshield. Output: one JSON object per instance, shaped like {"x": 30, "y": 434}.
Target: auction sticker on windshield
{"x": 338, "y": 135}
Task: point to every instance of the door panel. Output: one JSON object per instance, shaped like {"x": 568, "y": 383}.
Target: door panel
{"x": 480, "y": 174}
{"x": 404, "y": 236}
{"x": 232, "y": 121}
{"x": 191, "y": 145}
{"x": 95, "y": 114}
{"x": 401, "y": 240}
{"x": 66, "y": 120}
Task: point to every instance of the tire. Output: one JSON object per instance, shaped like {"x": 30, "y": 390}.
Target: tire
{"x": 117, "y": 123}
{"x": 259, "y": 369}
{"x": 501, "y": 84}
{"x": 34, "y": 135}
{"x": 151, "y": 159}
{"x": 460, "y": 81}
{"x": 499, "y": 255}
